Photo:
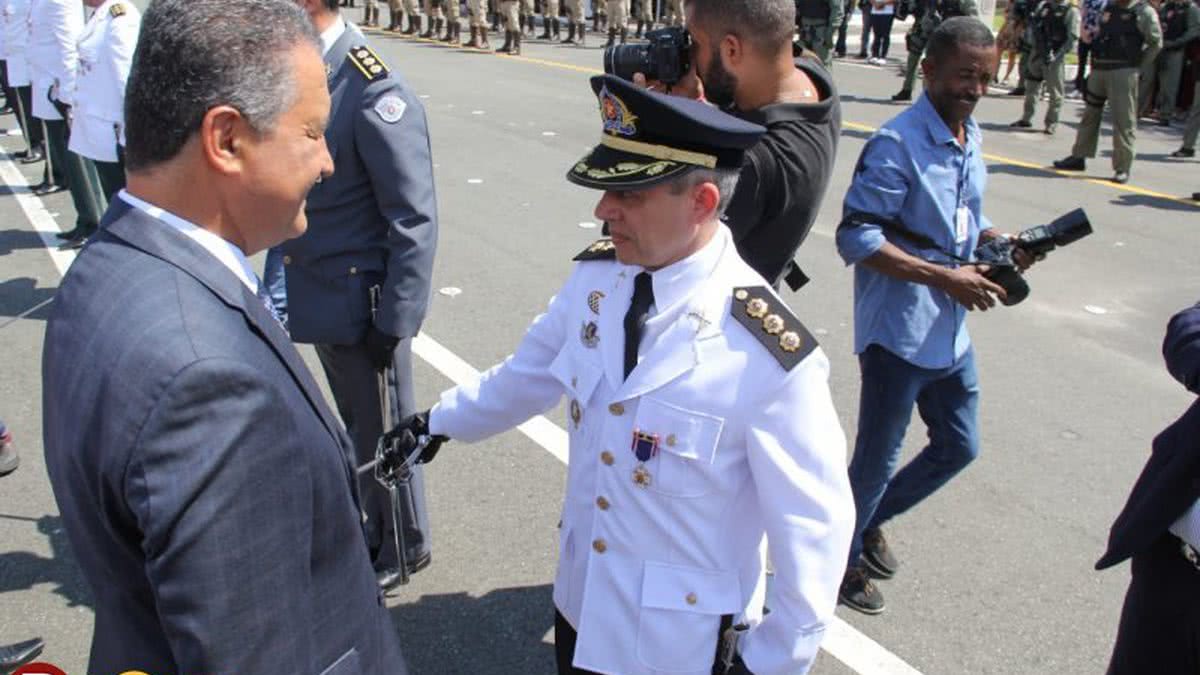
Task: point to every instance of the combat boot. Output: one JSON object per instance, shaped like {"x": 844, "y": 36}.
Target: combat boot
{"x": 612, "y": 38}
{"x": 483, "y": 38}
{"x": 641, "y": 24}
{"x": 545, "y": 29}
{"x": 556, "y": 25}
{"x": 449, "y": 37}
{"x": 495, "y": 22}
{"x": 624, "y": 34}
{"x": 414, "y": 25}
{"x": 570, "y": 39}
{"x": 508, "y": 43}
{"x": 437, "y": 32}
{"x": 595, "y": 22}
{"x": 428, "y": 29}
{"x": 582, "y": 34}
{"x": 516, "y": 46}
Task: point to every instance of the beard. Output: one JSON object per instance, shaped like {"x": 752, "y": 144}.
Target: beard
{"x": 720, "y": 85}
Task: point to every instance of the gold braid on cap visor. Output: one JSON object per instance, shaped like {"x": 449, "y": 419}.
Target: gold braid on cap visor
{"x": 659, "y": 151}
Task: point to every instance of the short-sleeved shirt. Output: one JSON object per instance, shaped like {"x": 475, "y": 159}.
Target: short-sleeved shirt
{"x": 914, "y": 171}
{"x": 784, "y": 176}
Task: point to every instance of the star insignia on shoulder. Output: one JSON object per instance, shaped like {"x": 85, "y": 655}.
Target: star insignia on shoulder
{"x": 604, "y": 249}
{"x": 116, "y": 10}
{"x": 770, "y": 321}
{"x": 368, "y": 63}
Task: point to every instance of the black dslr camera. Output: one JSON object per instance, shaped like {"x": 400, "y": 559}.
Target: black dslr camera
{"x": 664, "y": 58}
{"x": 1038, "y": 240}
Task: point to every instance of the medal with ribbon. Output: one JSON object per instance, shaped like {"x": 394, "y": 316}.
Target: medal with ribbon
{"x": 645, "y": 446}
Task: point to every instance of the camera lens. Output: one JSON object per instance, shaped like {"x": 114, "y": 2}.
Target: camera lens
{"x": 625, "y": 60}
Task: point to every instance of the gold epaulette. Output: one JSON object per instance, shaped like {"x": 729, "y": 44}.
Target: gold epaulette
{"x": 116, "y": 10}
{"x": 368, "y": 63}
{"x": 773, "y": 324}
{"x": 604, "y": 249}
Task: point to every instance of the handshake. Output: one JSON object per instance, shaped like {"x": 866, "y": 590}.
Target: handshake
{"x": 408, "y": 443}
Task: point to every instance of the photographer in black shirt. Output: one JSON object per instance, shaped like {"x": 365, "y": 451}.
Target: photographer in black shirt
{"x": 742, "y": 56}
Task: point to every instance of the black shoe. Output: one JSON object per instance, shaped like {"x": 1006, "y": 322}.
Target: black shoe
{"x": 1022, "y": 124}
{"x": 903, "y": 95}
{"x": 1070, "y": 163}
{"x": 861, "y": 55}
{"x": 73, "y": 245}
{"x": 388, "y": 578}
{"x": 1196, "y": 196}
{"x": 1019, "y": 91}
{"x": 32, "y": 156}
{"x": 858, "y": 592}
{"x": 1164, "y": 121}
{"x": 877, "y": 555}
{"x": 1121, "y": 177}
{"x": 1184, "y": 153}
{"x": 45, "y": 188}
{"x": 70, "y": 235}
{"x": 20, "y": 653}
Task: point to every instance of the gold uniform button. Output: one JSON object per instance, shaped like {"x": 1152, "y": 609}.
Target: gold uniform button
{"x": 691, "y": 598}
{"x": 616, "y": 409}
{"x": 287, "y": 260}
{"x": 599, "y": 546}
{"x": 607, "y": 458}
{"x": 602, "y": 503}
{"x": 353, "y": 270}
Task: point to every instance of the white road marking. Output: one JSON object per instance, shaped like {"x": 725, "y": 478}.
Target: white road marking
{"x": 842, "y": 641}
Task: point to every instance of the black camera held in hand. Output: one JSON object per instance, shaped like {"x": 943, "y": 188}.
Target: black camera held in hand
{"x": 1039, "y": 240}
{"x": 664, "y": 58}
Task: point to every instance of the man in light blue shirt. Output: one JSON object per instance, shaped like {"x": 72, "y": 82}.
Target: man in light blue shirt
{"x": 912, "y": 220}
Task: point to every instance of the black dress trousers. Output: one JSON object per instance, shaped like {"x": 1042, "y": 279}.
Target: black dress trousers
{"x": 1160, "y": 622}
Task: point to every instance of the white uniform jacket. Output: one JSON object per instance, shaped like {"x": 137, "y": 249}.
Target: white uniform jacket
{"x": 16, "y": 40}
{"x": 745, "y": 447}
{"x": 105, "y": 56}
{"x": 54, "y": 28}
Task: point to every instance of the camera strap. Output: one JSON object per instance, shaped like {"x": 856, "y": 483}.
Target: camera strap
{"x": 895, "y": 229}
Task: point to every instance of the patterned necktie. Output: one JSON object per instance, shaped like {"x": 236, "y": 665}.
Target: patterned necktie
{"x": 635, "y": 318}
{"x": 264, "y": 296}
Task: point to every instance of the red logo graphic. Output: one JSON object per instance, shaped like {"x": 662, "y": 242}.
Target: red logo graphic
{"x": 39, "y": 668}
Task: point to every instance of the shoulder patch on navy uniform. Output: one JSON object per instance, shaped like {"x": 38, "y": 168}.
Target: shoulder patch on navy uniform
{"x": 368, "y": 63}
{"x": 773, "y": 324}
{"x": 116, "y": 10}
{"x": 603, "y": 249}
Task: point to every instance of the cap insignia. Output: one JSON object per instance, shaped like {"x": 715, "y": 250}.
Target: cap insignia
{"x": 617, "y": 118}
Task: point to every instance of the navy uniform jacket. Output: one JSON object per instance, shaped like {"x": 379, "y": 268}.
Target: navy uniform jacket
{"x": 374, "y": 222}
{"x": 1170, "y": 482}
{"x": 203, "y": 482}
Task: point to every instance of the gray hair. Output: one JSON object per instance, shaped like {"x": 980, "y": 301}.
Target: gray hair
{"x": 956, "y": 32}
{"x": 195, "y": 55}
{"x": 768, "y": 24}
{"x": 726, "y": 181}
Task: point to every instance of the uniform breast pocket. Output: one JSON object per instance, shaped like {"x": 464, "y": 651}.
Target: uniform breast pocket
{"x": 686, "y": 448}
{"x": 579, "y": 377}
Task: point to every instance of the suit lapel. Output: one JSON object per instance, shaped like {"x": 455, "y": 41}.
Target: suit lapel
{"x": 140, "y": 230}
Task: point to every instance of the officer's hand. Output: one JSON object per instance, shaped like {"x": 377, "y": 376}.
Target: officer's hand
{"x": 408, "y": 434}
{"x": 969, "y": 286}
{"x": 380, "y": 348}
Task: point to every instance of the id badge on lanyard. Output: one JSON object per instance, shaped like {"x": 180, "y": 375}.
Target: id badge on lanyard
{"x": 962, "y": 225}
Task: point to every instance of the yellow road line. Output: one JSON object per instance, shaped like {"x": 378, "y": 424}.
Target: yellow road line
{"x": 1132, "y": 189}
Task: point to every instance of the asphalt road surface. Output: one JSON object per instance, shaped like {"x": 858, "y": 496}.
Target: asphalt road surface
{"x": 996, "y": 568}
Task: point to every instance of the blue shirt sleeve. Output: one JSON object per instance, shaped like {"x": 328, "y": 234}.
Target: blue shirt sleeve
{"x": 880, "y": 187}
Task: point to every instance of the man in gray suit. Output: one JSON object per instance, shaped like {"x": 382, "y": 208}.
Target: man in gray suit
{"x": 372, "y": 225}
{"x": 205, "y": 485}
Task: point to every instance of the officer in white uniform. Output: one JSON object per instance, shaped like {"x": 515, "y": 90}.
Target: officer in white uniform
{"x": 15, "y": 17}
{"x": 700, "y": 418}
{"x": 105, "y": 55}
{"x": 54, "y": 30}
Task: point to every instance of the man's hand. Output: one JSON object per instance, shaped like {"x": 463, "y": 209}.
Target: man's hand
{"x": 380, "y": 348}
{"x": 689, "y": 86}
{"x": 970, "y": 288}
{"x": 407, "y": 435}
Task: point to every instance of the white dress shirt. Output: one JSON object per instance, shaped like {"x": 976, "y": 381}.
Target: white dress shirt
{"x": 229, "y": 255}
{"x": 332, "y": 34}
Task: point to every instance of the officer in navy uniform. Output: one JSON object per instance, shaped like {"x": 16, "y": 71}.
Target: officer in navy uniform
{"x": 1159, "y": 529}
{"x": 700, "y": 418}
{"x": 372, "y": 224}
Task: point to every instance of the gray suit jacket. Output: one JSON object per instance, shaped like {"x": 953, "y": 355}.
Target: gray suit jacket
{"x": 203, "y": 482}
{"x": 374, "y": 222}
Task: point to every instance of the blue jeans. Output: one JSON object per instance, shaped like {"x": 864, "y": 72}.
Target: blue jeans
{"x": 948, "y": 401}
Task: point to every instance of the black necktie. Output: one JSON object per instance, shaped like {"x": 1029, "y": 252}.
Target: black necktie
{"x": 635, "y": 318}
